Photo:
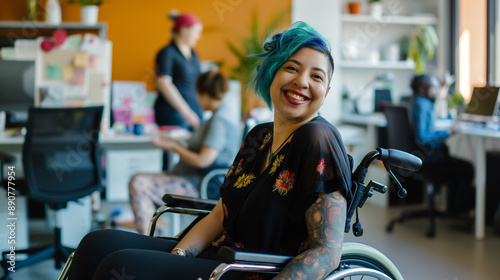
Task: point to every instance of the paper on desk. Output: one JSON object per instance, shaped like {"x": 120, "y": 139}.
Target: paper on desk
{"x": 25, "y": 49}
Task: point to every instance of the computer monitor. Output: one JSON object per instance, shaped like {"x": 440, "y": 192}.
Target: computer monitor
{"x": 483, "y": 104}
{"x": 17, "y": 90}
{"x": 382, "y": 96}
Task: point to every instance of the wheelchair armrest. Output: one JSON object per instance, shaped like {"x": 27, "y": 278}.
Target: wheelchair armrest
{"x": 237, "y": 255}
{"x": 173, "y": 200}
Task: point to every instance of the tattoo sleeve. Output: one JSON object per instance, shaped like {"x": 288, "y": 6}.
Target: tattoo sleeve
{"x": 325, "y": 221}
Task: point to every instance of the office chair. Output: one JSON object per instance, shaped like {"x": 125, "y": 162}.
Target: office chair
{"x": 62, "y": 163}
{"x": 400, "y": 135}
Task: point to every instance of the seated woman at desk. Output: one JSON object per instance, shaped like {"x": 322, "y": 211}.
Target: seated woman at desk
{"x": 458, "y": 173}
{"x": 213, "y": 144}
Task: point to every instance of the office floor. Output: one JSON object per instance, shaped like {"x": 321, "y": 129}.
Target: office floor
{"x": 453, "y": 254}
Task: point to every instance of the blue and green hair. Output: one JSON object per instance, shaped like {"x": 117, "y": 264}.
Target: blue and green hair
{"x": 279, "y": 48}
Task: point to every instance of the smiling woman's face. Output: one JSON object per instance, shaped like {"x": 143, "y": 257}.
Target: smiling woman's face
{"x": 300, "y": 86}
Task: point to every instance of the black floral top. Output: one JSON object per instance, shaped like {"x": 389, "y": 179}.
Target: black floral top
{"x": 266, "y": 211}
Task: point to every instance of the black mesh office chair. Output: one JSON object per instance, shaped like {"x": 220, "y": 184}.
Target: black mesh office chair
{"x": 400, "y": 135}
{"x": 61, "y": 160}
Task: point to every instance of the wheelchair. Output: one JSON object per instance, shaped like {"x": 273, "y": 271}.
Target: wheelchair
{"x": 358, "y": 261}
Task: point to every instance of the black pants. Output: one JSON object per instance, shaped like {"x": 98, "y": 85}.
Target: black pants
{"x": 115, "y": 254}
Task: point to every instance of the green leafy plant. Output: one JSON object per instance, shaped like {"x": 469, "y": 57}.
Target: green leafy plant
{"x": 422, "y": 46}
{"x": 373, "y": 1}
{"x": 86, "y": 2}
{"x": 456, "y": 100}
{"x": 252, "y": 44}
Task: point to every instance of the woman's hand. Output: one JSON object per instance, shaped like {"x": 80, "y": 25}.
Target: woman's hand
{"x": 192, "y": 119}
{"x": 325, "y": 221}
{"x": 164, "y": 143}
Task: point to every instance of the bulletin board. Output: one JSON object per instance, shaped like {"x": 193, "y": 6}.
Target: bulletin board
{"x": 75, "y": 73}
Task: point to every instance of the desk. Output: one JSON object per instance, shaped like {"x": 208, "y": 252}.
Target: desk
{"x": 480, "y": 171}
{"x": 371, "y": 121}
{"x": 126, "y": 154}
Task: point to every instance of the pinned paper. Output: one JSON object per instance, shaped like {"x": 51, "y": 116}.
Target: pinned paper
{"x": 80, "y": 60}
{"x": 53, "y": 72}
{"x": 74, "y": 41}
{"x": 51, "y": 96}
{"x": 78, "y": 76}
{"x": 93, "y": 61}
{"x": 92, "y": 44}
{"x": 95, "y": 93}
{"x": 67, "y": 72}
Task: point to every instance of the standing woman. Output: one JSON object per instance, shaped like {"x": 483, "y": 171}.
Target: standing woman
{"x": 177, "y": 68}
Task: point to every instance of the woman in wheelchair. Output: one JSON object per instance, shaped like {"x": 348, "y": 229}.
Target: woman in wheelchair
{"x": 213, "y": 144}
{"x": 286, "y": 190}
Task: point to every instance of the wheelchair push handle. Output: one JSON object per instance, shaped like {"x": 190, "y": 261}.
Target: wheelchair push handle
{"x": 399, "y": 159}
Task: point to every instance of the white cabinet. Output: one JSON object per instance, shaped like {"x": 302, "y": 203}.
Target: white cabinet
{"x": 361, "y": 45}
{"x": 371, "y": 47}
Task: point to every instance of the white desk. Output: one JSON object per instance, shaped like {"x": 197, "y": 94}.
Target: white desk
{"x": 372, "y": 121}
{"x": 480, "y": 172}
{"x": 126, "y": 154}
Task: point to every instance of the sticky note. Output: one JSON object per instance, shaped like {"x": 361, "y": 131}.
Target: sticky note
{"x": 67, "y": 72}
{"x": 53, "y": 72}
{"x": 78, "y": 76}
{"x": 80, "y": 60}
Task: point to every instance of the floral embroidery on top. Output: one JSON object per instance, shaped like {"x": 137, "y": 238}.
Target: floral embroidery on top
{"x": 244, "y": 180}
{"x": 321, "y": 166}
{"x": 266, "y": 139}
{"x": 276, "y": 163}
{"x": 217, "y": 243}
{"x": 224, "y": 210}
{"x": 284, "y": 183}
{"x": 239, "y": 167}
{"x": 230, "y": 171}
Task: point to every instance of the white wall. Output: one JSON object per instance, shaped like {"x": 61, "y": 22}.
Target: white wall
{"x": 323, "y": 16}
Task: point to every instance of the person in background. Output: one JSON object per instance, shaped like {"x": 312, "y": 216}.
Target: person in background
{"x": 458, "y": 173}
{"x": 177, "y": 68}
{"x": 286, "y": 191}
{"x": 213, "y": 144}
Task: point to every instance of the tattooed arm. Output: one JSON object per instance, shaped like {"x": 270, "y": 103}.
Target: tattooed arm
{"x": 325, "y": 221}
{"x": 204, "y": 232}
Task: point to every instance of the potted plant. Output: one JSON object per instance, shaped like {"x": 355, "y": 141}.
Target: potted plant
{"x": 422, "y": 45}
{"x": 248, "y": 46}
{"x": 376, "y": 8}
{"x": 89, "y": 10}
{"x": 31, "y": 9}
{"x": 456, "y": 104}
{"x": 354, "y": 7}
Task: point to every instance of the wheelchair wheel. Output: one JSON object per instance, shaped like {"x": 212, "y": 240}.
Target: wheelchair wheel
{"x": 211, "y": 183}
{"x": 360, "y": 261}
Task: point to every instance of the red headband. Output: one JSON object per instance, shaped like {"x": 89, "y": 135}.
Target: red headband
{"x": 186, "y": 20}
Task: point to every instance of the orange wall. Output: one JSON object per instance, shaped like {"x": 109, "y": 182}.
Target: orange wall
{"x": 139, "y": 29}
